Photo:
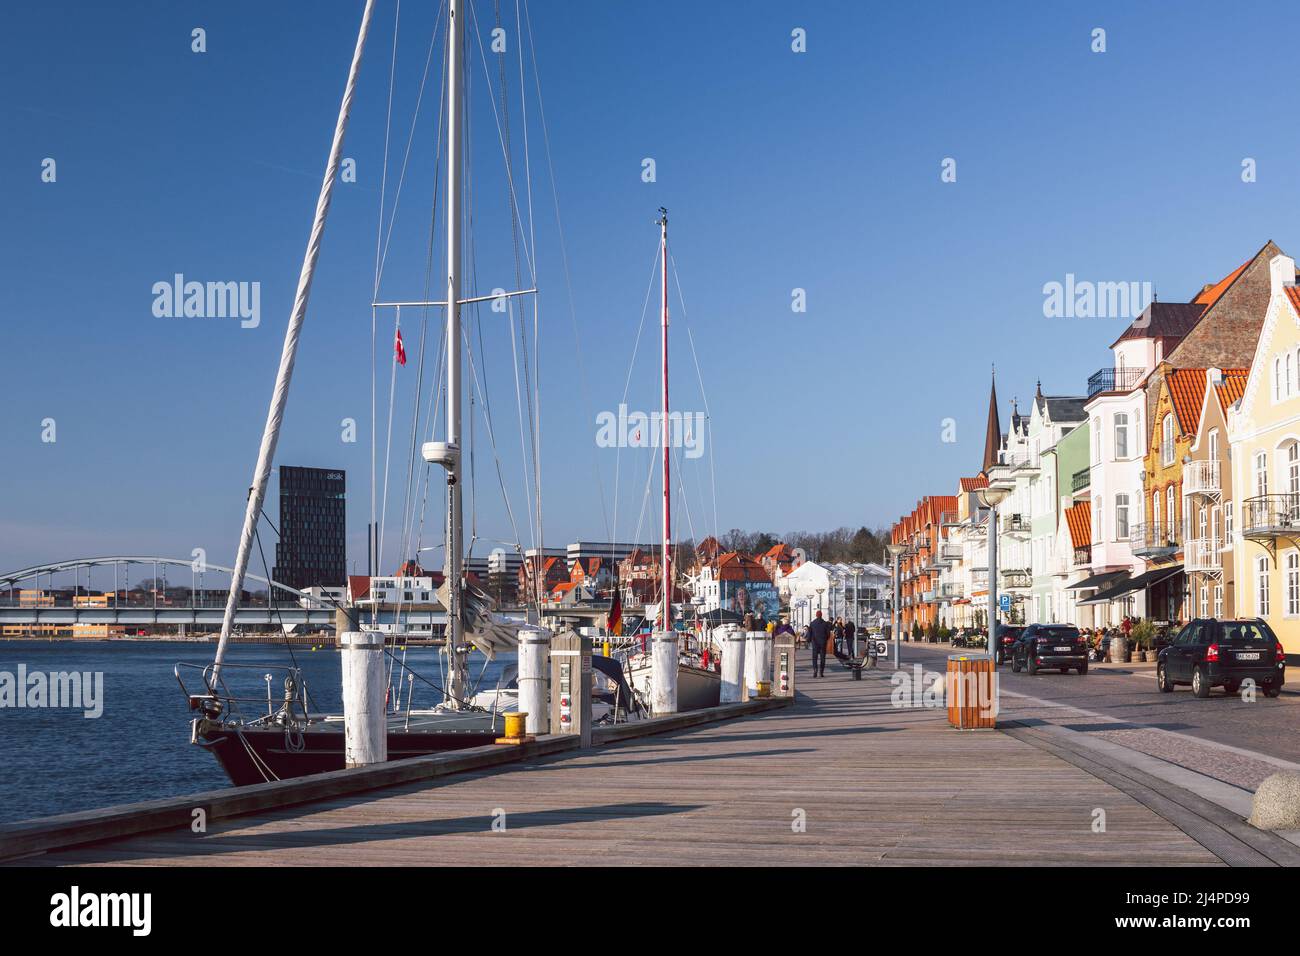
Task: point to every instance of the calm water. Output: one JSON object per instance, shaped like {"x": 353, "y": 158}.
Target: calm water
{"x": 57, "y": 761}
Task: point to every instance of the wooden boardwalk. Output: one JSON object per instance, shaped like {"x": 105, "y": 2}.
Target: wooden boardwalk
{"x": 875, "y": 785}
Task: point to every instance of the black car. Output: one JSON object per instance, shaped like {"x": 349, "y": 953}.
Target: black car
{"x": 1059, "y": 646}
{"x": 1008, "y": 634}
{"x": 1212, "y": 653}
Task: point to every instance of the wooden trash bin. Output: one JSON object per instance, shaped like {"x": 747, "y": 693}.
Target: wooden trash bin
{"x": 971, "y": 692}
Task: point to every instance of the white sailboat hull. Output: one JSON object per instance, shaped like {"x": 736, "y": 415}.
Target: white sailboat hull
{"x": 696, "y": 688}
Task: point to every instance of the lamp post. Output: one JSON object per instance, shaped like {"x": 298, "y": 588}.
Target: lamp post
{"x": 990, "y": 498}
{"x": 895, "y": 550}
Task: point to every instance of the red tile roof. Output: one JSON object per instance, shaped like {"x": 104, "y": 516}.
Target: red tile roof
{"x": 973, "y": 484}
{"x": 734, "y": 566}
{"x": 1211, "y": 293}
{"x": 1233, "y": 386}
{"x": 358, "y": 587}
{"x": 1293, "y": 293}
{"x": 1079, "y": 519}
{"x": 1187, "y": 390}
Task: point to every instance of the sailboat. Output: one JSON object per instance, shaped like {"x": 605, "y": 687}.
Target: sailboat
{"x": 671, "y": 676}
{"x": 284, "y": 739}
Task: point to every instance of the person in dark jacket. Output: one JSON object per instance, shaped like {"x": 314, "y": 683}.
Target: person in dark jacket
{"x": 849, "y": 630}
{"x": 819, "y": 633}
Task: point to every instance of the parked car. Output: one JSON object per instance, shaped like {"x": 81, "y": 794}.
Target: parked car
{"x": 1059, "y": 646}
{"x": 1211, "y": 653}
{"x": 1008, "y": 634}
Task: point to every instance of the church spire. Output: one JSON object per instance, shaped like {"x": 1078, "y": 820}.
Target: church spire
{"x": 993, "y": 437}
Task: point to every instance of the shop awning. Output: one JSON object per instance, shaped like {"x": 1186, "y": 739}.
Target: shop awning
{"x": 1105, "y": 579}
{"x": 1136, "y": 583}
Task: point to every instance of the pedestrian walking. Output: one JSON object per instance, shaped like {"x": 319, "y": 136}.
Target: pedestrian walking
{"x": 850, "y": 648}
{"x": 819, "y": 633}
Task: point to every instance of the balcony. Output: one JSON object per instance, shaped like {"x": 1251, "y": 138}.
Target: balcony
{"x": 1201, "y": 478}
{"x": 950, "y": 552}
{"x": 1015, "y": 524}
{"x": 1155, "y": 541}
{"x": 948, "y": 519}
{"x": 1113, "y": 380}
{"x": 927, "y": 597}
{"x": 950, "y": 591}
{"x": 979, "y": 578}
{"x": 1016, "y": 577}
{"x": 1082, "y": 480}
{"x": 1203, "y": 555}
{"x": 1270, "y": 516}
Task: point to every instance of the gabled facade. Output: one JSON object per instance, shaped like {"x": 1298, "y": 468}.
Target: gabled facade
{"x": 1264, "y": 435}
{"x": 1207, "y": 496}
{"x": 1050, "y": 419}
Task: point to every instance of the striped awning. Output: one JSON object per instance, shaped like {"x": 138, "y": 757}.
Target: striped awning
{"x": 1079, "y": 519}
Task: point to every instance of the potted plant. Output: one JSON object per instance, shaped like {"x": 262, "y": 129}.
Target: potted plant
{"x": 1144, "y": 638}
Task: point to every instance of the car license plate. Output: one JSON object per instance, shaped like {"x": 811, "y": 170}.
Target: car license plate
{"x": 1248, "y": 656}
{"x": 1063, "y": 649}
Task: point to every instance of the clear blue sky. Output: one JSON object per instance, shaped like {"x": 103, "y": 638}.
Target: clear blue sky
{"x": 817, "y": 170}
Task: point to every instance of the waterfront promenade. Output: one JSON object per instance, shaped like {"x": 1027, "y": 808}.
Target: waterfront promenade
{"x": 842, "y": 777}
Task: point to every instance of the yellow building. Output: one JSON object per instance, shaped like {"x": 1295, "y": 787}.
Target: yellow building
{"x": 1264, "y": 454}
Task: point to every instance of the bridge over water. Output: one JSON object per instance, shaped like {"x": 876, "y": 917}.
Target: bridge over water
{"x": 101, "y": 593}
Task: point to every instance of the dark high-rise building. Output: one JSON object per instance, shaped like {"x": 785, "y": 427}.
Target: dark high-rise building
{"x": 313, "y": 528}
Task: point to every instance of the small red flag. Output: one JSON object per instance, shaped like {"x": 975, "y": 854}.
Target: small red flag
{"x": 399, "y": 349}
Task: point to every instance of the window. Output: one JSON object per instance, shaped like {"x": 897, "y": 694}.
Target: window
{"x": 1204, "y": 525}
{"x": 1155, "y": 511}
{"x": 1167, "y": 440}
{"x": 1096, "y": 519}
{"x": 1286, "y": 389}
{"x": 1121, "y": 516}
{"x": 1171, "y": 516}
{"x": 1277, "y": 379}
{"x": 1205, "y": 601}
{"x": 1218, "y": 600}
{"x": 1121, "y": 435}
{"x": 1293, "y": 584}
{"x": 1261, "y": 586}
{"x": 1096, "y": 439}
{"x": 1261, "y": 473}
{"x": 1214, "y": 444}
{"x": 1293, "y": 468}
{"x": 1227, "y": 523}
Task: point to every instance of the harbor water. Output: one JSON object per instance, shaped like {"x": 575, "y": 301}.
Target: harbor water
{"x": 58, "y": 760}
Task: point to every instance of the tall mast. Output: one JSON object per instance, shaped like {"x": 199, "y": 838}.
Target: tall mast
{"x": 280, "y": 395}
{"x": 458, "y": 685}
{"x": 664, "y": 428}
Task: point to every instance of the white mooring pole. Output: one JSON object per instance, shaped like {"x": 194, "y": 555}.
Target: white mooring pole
{"x": 732, "y": 641}
{"x": 534, "y": 663}
{"x": 365, "y": 723}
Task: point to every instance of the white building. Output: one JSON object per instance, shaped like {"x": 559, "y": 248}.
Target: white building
{"x": 854, "y": 591}
{"x": 1116, "y": 408}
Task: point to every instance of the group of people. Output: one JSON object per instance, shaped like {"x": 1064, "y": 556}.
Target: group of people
{"x": 833, "y": 636}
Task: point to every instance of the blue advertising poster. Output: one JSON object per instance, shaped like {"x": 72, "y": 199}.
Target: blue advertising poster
{"x": 757, "y": 596}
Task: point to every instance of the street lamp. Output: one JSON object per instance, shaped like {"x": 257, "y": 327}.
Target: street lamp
{"x": 895, "y": 550}
{"x": 990, "y": 497}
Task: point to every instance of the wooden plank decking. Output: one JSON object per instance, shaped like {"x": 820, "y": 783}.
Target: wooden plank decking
{"x": 877, "y": 785}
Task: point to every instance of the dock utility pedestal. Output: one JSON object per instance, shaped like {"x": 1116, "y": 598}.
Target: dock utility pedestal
{"x": 571, "y": 685}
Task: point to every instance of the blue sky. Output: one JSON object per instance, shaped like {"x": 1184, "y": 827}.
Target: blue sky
{"x": 818, "y": 170}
